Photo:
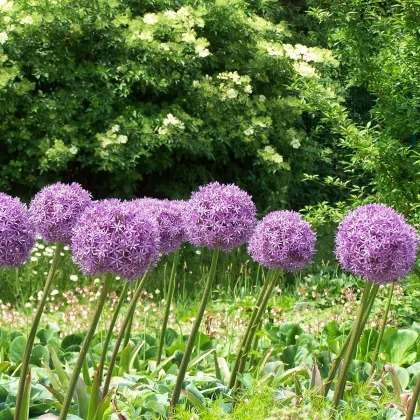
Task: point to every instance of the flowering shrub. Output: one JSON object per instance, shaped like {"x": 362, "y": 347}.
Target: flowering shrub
{"x": 133, "y": 105}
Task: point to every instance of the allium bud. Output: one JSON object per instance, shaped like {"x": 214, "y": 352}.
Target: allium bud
{"x": 55, "y": 209}
{"x": 17, "y": 233}
{"x": 282, "y": 239}
{"x": 169, "y": 217}
{"x": 220, "y": 216}
{"x": 114, "y": 237}
{"x": 375, "y": 242}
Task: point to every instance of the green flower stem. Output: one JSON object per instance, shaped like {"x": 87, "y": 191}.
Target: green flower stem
{"x": 414, "y": 398}
{"x": 355, "y": 335}
{"x": 85, "y": 348}
{"x": 382, "y": 330}
{"x": 248, "y": 330}
{"x": 169, "y": 297}
{"x": 254, "y": 347}
{"x": 191, "y": 340}
{"x": 34, "y": 328}
{"x": 121, "y": 300}
{"x": 342, "y": 351}
{"x": 260, "y": 315}
{"x": 131, "y": 310}
{"x": 130, "y": 314}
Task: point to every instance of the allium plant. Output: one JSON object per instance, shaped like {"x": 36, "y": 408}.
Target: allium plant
{"x": 282, "y": 241}
{"x": 55, "y": 210}
{"x": 219, "y": 217}
{"x": 374, "y": 242}
{"x": 111, "y": 237}
{"x": 17, "y": 232}
{"x": 169, "y": 217}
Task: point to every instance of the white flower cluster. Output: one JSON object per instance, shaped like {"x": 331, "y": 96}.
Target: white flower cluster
{"x": 170, "y": 122}
{"x": 112, "y": 137}
{"x": 233, "y": 84}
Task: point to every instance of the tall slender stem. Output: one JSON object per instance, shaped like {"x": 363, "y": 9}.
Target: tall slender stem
{"x": 120, "y": 337}
{"x": 342, "y": 351}
{"x": 111, "y": 330}
{"x": 191, "y": 340}
{"x": 169, "y": 297}
{"x": 355, "y": 335}
{"x": 382, "y": 330}
{"x": 34, "y": 328}
{"x": 130, "y": 315}
{"x": 248, "y": 329}
{"x": 260, "y": 315}
{"x": 85, "y": 348}
{"x": 414, "y": 398}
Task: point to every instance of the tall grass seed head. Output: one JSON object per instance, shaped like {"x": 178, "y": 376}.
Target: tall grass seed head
{"x": 112, "y": 236}
{"x": 17, "y": 232}
{"x": 282, "y": 239}
{"x": 220, "y": 216}
{"x": 375, "y": 242}
{"x": 55, "y": 209}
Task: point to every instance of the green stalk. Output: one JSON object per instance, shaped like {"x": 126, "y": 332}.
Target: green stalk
{"x": 85, "y": 348}
{"x": 414, "y": 398}
{"x": 260, "y": 315}
{"x": 382, "y": 330}
{"x": 131, "y": 309}
{"x": 342, "y": 351}
{"x": 248, "y": 330}
{"x": 34, "y": 328}
{"x": 169, "y": 297}
{"x": 355, "y": 335}
{"x": 191, "y": 340}
{"x": 111, "y": 330}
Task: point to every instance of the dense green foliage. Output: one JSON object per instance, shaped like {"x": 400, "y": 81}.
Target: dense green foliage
{"x": 156, "y": 97}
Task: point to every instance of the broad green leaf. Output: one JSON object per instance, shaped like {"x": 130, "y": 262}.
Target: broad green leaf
{"x": 400, "y": 347}
{"x": 39, "y": 353}
{"x": 17, "y": 349}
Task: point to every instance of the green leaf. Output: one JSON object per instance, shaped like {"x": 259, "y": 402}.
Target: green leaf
{"x": 72, "y": 342}
{"x": 294, "y": 356}
{"x": 400, "y": 347}
{"x": 38, "y": 354}
{"x": 17, "y": 349}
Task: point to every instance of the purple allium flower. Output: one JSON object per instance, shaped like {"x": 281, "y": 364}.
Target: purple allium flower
{"x": 169, "y": 216}
{"x": 282, "y": 239}
{"x": 112, "y": 236}
{"x": 220, "y": 216}
{"x": 17, "y": 233}
{"x": 55, "y": 209}
{"x": 375, "y": 242}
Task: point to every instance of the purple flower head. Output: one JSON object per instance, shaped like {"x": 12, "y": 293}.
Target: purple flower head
{"x": 169, "y": 217}
{"x": 112, "y": 236}
{"x": 375, "y": 242}
{"x": 55, "y": 209}
{"x": 17, "y": 233}
{"x": 220, "y": 216}
{"x": 282, "y": 239}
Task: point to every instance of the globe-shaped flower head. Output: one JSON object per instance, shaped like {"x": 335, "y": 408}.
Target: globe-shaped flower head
{"x": 282, "y": 239}
{"x": 220, "y": 216}
{"x": 112, "y": 236}
{"x": 375, "y": 242}
{"x": 17, "y": 233}
{"x": 169, "y": 217}
{"x": 55, "y": 209}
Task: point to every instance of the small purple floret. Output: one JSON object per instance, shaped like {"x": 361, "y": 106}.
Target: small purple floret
{"x": 169, "y": 216}
{"x": 17, "y": 232}
{"x": 112, "y": 236}
{"x": 55, "y": 209}
{"x": 220, "y": 216}
{"x": 282, "y": 239}
{"x": 375, "y": 242}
